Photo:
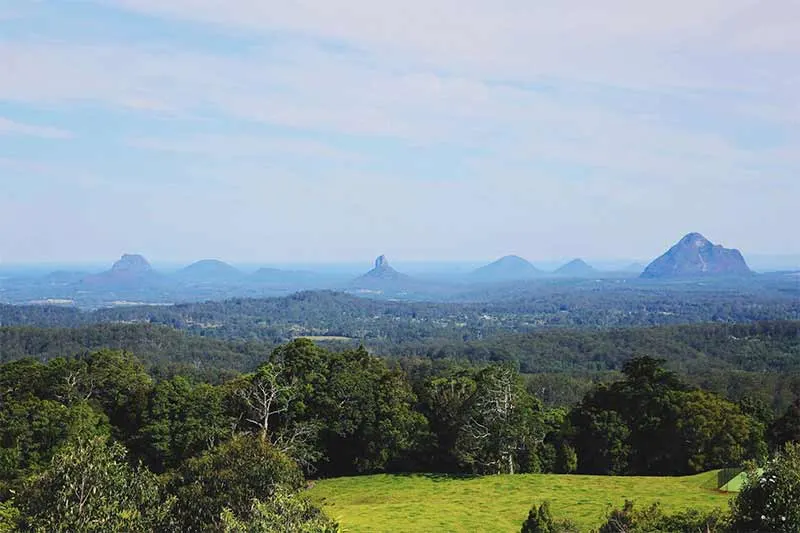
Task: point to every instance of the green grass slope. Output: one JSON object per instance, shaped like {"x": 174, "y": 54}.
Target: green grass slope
{"x": 430, "y": 503}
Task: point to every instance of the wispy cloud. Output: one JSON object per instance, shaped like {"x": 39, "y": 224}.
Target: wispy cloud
{"x": 237, "y": 146}
{"x": 11, "y": 127}
{"x": 618, "y": 41}
{"x": 22, "y": 165}
{"x": 635, "y": 118}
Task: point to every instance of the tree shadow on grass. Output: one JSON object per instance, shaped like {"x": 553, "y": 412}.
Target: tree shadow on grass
{"x": 439, "y": 476}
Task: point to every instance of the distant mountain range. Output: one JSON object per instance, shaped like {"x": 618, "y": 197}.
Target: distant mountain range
{"x": 133, "y": 279}
{"x": 696, "y": 256}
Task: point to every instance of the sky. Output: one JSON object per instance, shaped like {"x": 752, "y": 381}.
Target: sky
{"x": 324, "y": 131}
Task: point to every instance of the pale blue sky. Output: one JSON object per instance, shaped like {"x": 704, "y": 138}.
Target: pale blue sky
{"x": 303, "y": 131}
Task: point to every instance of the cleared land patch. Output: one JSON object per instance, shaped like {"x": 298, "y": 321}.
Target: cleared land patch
{"x": 429, "y": 503}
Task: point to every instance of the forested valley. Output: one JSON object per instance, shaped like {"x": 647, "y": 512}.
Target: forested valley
{"x": 218, "y": 416}
{"x": 172, "y": 437}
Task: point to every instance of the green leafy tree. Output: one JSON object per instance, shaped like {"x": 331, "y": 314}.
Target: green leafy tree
{"x": 266, "y": 403}
{"x": 602, "y": 440}
{"x": 114, "y": 381}
{"x": 787, "y": 427}
{"x": 770, "y": 500}
{"x": 23, "y": 379}
{"x": 364, "y": 411}
{"x": 505, "y": 425}
{"x": 446, "y": 404}
{"x": 567, "y": 459}
{"x": 714, "y": 433}
{"x": 306, "y": 365}
{"x": 90, "y": 487}
{"x": 182, "y": 419}
{"x": 649, "y": 423}
{"x": 230, "y": 476}
{"x": 32, "y": 430}
{"x": 284, "y": 512}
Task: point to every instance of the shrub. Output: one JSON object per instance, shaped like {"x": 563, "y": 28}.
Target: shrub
{"x": 653, "y": 519}
{"x": 771, "y": 501}
{"x": 541, "y": 521}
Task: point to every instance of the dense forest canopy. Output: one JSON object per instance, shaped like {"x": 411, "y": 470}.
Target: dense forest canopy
{"x": 735, "y": 360}
{"x": 181, "y": 454}
{"x": 166, "y": 409}
{"x": 340, "y": 314}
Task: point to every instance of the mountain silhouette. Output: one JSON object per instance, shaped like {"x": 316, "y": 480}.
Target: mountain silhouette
{"x": 508, "y": 268}
{"x": 577, "y": 268}
{"x": 696, "y": 256}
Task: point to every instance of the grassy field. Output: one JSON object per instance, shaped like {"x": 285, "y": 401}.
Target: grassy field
{"x": 430, "y": 503}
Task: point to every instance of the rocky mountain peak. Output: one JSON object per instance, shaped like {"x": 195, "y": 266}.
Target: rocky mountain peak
{"x": 693, "y": 256}
{"x": 695, "y": 239}
{"x": 381, "y": 262}
{"x": 132, "y": 263}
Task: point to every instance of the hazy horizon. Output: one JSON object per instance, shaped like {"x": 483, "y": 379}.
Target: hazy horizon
{"x": 309, "y": 132}
{"x": 758, "y": 262}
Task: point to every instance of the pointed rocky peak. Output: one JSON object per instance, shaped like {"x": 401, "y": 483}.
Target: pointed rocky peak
{"x": 382, "y": 271}
{"x": 133, "y": 264}
{"x": 381, "y": 262}
{"x": 694, "y": 256}
{"x": 695, "y": 239}
{"x": 382, "y": 268}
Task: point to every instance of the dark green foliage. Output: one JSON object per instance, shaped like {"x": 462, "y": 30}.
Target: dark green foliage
{"x": 757, "y": 361}
{"x": 89, "y": 487}
{"x": 284, "y": 512}
{"x": 51, "y": 412}
{"x": 714, "y": 433}
{"x": 230, "y": 477}
{"x": 230, "y": 457}
{"x": 786, "y": 428}
{"x": 182, "y": 419}
{"x": 649, "y": 423}
{"x": 652, "y": 519}
{"x": 504, "y": 425}
{"x": 364, "y": 409}
{"x": 24, "y": 378}
{"x": 567, "y": 459}
{"x": 541, "y": 521}
{"x": 161, "y": 346}
{"x": 114, "y": 381}
{"x": 32, "y": 431}
{"x": 477, "y": 331}
{"x": 602, "y": 441}
{"x": 770, "y": 500}
{"x": 445, "y": 402}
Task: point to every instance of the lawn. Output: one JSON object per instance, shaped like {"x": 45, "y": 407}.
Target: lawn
{"x": 431, "y": 503}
